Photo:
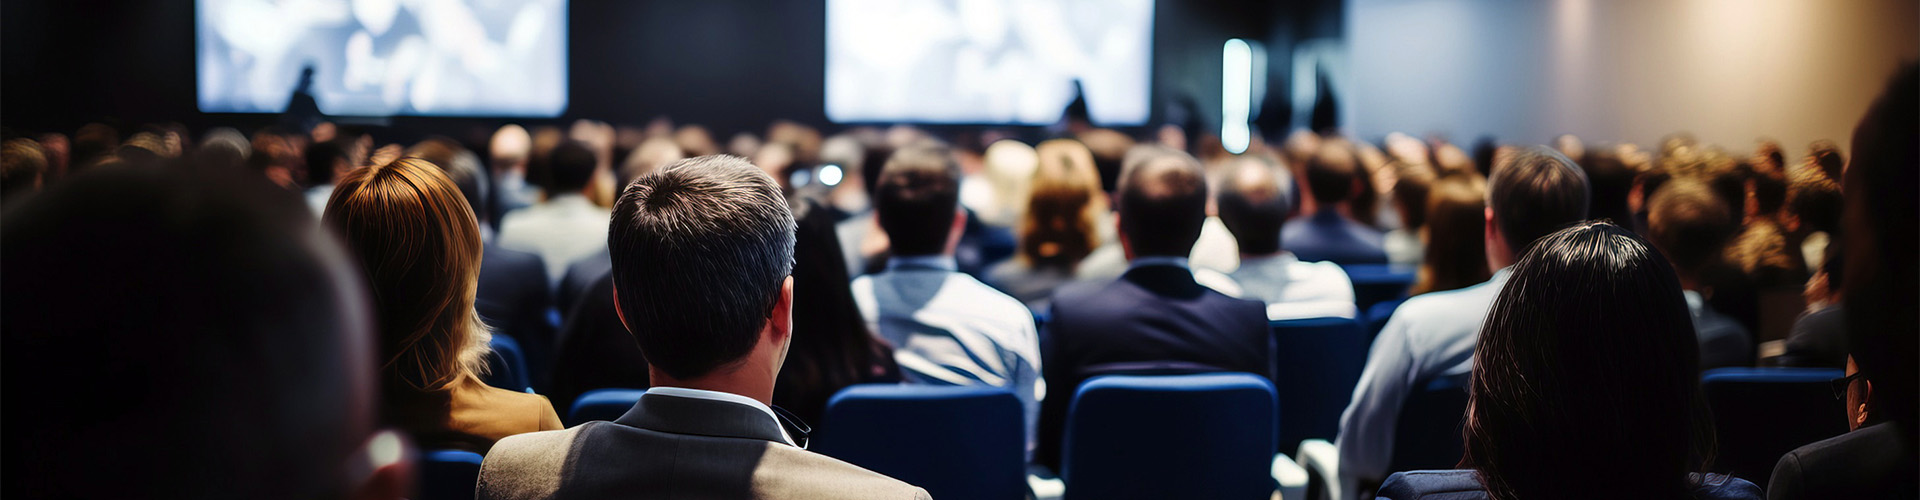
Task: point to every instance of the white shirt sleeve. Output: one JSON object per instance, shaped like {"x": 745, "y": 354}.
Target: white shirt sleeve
{"x": 1366, "y": 428}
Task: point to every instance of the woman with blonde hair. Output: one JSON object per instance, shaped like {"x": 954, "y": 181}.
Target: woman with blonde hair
{"x": 1060, "y": 226}
{"x": 1455, "y": 253}
{"x": 419, "y": 246}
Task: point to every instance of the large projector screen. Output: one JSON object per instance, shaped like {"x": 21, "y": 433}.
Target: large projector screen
{"x": 384, "y": 57}
{"x": 987, "y": 61}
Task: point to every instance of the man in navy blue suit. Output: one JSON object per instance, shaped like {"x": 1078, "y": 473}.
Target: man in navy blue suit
{"x": 1331, "y": 234}
{"x": 1155, "y": 313}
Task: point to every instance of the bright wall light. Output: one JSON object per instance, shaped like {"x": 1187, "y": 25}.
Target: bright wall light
{"x": 1236, "y": 95}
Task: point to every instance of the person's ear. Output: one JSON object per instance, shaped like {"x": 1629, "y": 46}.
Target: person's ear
{"x": 617, "y": 312}
{"x": 781, "y": 317}
{"x": 1126, "y": 244}
{"x": 1866, "y": 404}
{"x": 959, "y": 227}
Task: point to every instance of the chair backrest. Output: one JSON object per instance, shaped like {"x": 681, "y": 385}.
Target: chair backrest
{"x": 1171, "y": 436}
{"x": 1378, "y": 315}
{"x": 1318, "y": 362}
{"x": 1428, "y": 434}
{"x": 602, "y": 404}
{"x": 1760, "y": 414}
{"x": 507, "y": 365}
{"x": 449, "y": 474}
{"x": 956, "y": 442}
{"x": 1376, "y": 283}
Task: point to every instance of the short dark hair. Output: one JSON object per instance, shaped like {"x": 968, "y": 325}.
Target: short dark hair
{"x": 1690, "y": 224}
{"x": 1611, "y": 177}
{"x": 570, "y": 167}
{"x": 1254, "y": 202}
{"x": 1815, "y": 199}
{"x": 1768, "y": 178}
{"x": 700, "y": 249}
{"x": 1411, "y": 189}
{"x": 1588, "y": 365}
{"x": 1331, "y": 172}
{"x": 1882, "y": 235}
{"x": 1535, "y": 192}
{"x": 319, "y": 157}
{"x": 1163, "y": 204}
{"x": 915, "y": 201}
{"x": 251, "y": 333}
{"x": 22, "y": 164}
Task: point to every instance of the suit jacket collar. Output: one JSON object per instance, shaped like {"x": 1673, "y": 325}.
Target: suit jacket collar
{"x": 1171, "y": 281}
{"x": 702, "y": 417}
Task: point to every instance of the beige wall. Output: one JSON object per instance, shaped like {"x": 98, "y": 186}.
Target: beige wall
{"x": 1728, "y": 71}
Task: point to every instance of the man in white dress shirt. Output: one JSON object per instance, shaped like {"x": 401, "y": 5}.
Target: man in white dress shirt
{"x": 1254, "y": 203}
{"x": 947, "y": 328}
{"x": 702, "y": 277}
{"x": 568, "y": 226}
{"x": 1532, "y": 194}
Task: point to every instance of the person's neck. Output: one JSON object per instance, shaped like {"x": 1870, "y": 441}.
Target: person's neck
{"x": 741, "y": 380}
{"x": 1259, "y": 256}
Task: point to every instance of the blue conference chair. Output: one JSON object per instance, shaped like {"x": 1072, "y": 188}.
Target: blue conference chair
{"x": 1428, "y": 433}
{"x": 1378, "y": 315}
{"x": 1761, "y": 414}
{"x": 602, "y": 404}
{"x": 1319, "y": 361}
{"x": 449, "y": 474}
{"x": 956, "y": 442}
{"x": 1171, "y": 436}
{"x": 507, "y": 365}
{"x": 1376, "y": 283}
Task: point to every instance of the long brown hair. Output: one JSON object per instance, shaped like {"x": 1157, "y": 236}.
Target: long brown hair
{"x": 419, "y": 245}
{"x": 1063, "y": 205}
{"x": 1455, "y": 233}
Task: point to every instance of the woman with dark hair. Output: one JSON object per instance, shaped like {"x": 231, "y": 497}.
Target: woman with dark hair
{"x": 1586, "y": 383}
{"x": 419, "y": 245}
{"x": 833, "y": 348}
{"x": 1454, "y": 235}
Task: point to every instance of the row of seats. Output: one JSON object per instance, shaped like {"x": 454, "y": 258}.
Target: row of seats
{"x": 1215, "y": 435}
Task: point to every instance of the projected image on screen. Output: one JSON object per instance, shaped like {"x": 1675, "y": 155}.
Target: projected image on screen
{"x": 384, "y": 57}
{"x": 987, "y": 61}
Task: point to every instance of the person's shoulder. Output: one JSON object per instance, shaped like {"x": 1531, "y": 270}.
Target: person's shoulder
{"x": 1450, "y": 484}
{"x": 788, "y": 472}
{"x": 1321, "y": 272}
{"x": 528, "y": 410}
{"x": 1724, "y": 487}
{"x": 987, "y": 299}
{"x": 1083, "y": 291}
{"x": 527, "y": 465}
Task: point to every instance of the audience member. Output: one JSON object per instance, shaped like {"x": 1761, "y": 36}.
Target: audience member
{"x": 1454, "y": 234}
{"x": 512, "y": 293}
{"x": 947, "y": 328}
{"x": 1156, "y": 313}
{"x": 57, "y": 150}
{"x": 1612, "y": 171}
{"x": 999, "y": 193}
{"x": 834, "y": 349}
{"x": 1412, "y": 184}
{"x": 703, "y": 257}
{"x": 509, "y": 157}
{"x": 567, "y": 226}
{"x": 1059, "y": 226}
{"x": 1533, "y": 192}
{"x": 1585, "y": 383}
{"x": 1254, "y": 202}
{"x": 1690, "y": 225}
{"x": 23, "y": 169}
{"x": 1763, "y": 249}
{"x": 1214, "y": 253}
{"x": 1878, "y": 459}
{"x": 1813, "y": 206}
{"x": 418, "y": 243}
{"x": 1330, "y": 233}
{"x": 326, "y": 161}
{"x": 187, "y": 333}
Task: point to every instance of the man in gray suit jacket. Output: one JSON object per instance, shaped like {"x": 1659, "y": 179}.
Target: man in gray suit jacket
{"x": 702, "y": 263}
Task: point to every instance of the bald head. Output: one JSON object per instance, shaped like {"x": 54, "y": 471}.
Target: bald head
{"x": 1254, "y": 202}
{"x": 1163, "y": 203}
{"x": 510, "y": 147}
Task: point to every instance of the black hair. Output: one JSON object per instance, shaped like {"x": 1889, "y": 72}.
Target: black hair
{"x": 835, "y": 349}
{"x": 916, "y": 199}
{"x": 1254, "y": 203}
{"x": 570, "y": 168}
{"x": 1535, "y": 192}
{"x": 1163, "y": 204}
{"x": 1587, "y": 372}
{"x": 700, "y": 251}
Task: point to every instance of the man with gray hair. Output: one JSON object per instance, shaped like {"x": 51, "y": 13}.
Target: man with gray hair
{"x": 702, "y": 278}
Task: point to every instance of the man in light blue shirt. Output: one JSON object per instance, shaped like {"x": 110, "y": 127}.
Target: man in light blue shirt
{"x": 1254, "y": 203}
{"x": 1532, "y": 194}
{"x": 946, "y": 327}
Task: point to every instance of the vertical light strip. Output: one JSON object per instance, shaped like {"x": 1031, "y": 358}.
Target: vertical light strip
{"x": 1236, "y": 95}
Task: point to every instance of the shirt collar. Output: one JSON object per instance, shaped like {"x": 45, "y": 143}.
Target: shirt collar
{"x": 1282, "y": 258}
{"x": 934, "y": 262}
{"x": 1157, "y": 260}
{"x": 683, "y": 392}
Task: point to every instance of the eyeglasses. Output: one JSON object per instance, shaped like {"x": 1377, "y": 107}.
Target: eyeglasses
{"x": 1841, "y": 384}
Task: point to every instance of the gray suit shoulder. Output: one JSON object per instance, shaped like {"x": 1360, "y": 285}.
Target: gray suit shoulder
{"x": 788, "y": 472}
{"x": 525, "y": 466}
